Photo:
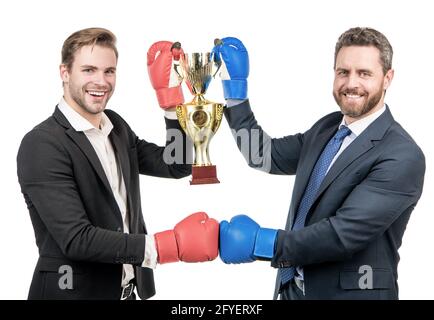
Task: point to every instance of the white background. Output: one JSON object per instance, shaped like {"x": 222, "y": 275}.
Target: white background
{"x": 291, "y": 46}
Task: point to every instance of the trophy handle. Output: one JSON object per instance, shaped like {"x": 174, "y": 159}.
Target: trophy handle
{"x": 175, "y": 67}
{"x": 219, "y": 116}
{"x": 181, "y": 117}
{"x": 177, "y": 45}
{"x": 217, "y": 63}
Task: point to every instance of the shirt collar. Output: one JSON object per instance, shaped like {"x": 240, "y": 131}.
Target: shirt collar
{"x": 358, "y": 126}
{"x": 79, "y": 123}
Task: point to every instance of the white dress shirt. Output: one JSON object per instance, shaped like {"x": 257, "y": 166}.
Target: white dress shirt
{"x": 99, "y": 139}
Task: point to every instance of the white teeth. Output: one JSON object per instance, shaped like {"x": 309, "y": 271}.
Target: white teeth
{"x": 96, "y": 93}
{"x": 353, "y": 96}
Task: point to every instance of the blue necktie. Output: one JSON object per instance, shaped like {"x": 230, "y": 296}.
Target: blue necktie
{"x": 316, "y": 178}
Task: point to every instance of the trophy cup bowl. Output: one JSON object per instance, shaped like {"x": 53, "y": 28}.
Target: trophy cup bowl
{"x": 200, "y": 118}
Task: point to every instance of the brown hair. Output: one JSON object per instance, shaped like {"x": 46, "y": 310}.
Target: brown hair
{"x": 367, "y": 37}
{"x": 87, "y": 37}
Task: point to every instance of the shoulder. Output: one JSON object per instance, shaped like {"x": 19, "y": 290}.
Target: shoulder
{"x": 398, "y": 141}
{"x": 398, "y": 158}
{"x": 47, "y": 130}
{"x": 41, "y": 150}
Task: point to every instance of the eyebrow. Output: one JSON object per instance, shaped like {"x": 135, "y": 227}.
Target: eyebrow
{"x": 365, "y": 70}
{"x": 86, "y": 66}
{"x": 358, "y": 70}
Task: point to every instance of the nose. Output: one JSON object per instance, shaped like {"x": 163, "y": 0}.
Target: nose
{"x": 352, "y": 81}
{"x": 100, "y": 78}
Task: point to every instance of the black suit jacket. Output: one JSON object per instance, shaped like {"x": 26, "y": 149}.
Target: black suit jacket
{"x": 76, "y": 219}
{"x": 361, "y": 210}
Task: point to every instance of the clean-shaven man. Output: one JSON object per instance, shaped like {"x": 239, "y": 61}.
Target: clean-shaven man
{"x": 79, "y": 174}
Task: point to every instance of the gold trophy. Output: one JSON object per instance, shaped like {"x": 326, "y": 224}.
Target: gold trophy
{"x": 199, "y": 118}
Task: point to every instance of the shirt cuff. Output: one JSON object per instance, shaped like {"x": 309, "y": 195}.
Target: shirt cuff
{"x": 234, "y": 102}
{"x": 151, "y": 254}
{"x": 170, "y": 115}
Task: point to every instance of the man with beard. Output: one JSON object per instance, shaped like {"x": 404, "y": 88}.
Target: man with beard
{"x": 79, "y": 174}
{"x": 359, "y": 175}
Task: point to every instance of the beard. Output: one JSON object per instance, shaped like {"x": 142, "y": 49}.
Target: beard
{"x": 355, "y": 110}
{"x": 85, "y": 101}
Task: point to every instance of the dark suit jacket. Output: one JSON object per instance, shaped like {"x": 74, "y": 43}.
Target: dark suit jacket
{"x": 76, "y": 219}
{"x": 361, "y": 210}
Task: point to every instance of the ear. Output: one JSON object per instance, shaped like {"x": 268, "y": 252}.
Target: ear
{"x": 64, "y": 74}
{"x": 388, "y": 78}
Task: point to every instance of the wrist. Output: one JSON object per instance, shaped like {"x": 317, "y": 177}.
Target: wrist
{"x": 167, "y": 247}
{"x": 170, "y": 113}
{"x": 151, "y": 254}
{"x": 265, "y": 243}
{"x": 170, "y": 97}
{"x": 235, "y": 89}
{"x": 234, "y": 102}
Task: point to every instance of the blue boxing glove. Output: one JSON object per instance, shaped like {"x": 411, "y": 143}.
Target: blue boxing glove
{"x": 234, "y": 59}
{"x": 243, "y": 240}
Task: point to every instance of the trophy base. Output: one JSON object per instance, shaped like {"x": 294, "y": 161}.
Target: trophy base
{"x": 204, "y": 175}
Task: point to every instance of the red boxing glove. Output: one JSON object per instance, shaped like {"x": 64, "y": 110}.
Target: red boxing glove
{"x": 164, "y": 79}
{"x": 194, "y": 239}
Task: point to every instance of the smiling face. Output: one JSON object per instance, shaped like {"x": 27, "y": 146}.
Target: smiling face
{"x": 360, "y": 83}
{"x": 90, "y": 81}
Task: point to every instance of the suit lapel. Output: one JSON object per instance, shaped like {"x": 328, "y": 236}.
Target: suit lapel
{"x": 123, "y": 160}
{"x": 362, "y": 144}
{"x": 122, "y": 157}
{"x": 84, "y": 144}
{"x": 305, "y": 170}
{"x": 355, "y": 150}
